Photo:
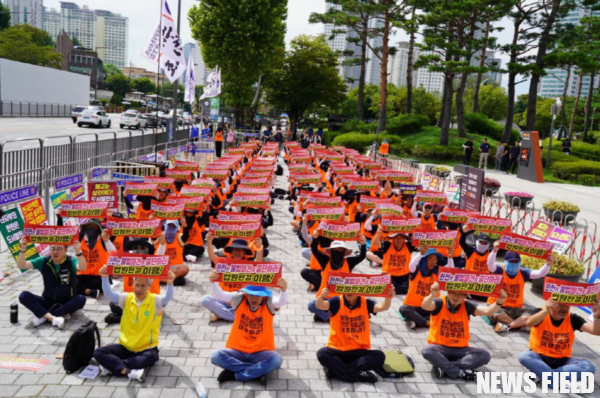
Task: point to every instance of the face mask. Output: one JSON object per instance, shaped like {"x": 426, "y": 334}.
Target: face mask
{"x": 337, "y": 257}
{"x": 92, "y": 235}
{"x": 482, "y": 248}
{"x": 511, "y": 268}
{"x": 170, "y": 233}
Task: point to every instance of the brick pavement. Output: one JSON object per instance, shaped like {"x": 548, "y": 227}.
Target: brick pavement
{"x": 185, "y": 349}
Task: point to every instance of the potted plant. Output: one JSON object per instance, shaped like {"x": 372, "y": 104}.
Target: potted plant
{"x": 561, "y": 211}
{"x": 518, "y": 199}
{"x": 491, "y": 186}
{"x": 441, "y": 171}
{"x": 563, "y": 268}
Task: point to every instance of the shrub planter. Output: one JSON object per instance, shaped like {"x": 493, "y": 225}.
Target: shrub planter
{"x": 440, "y": 174}
{"x": 555, "y": 215}
{"x": 520, "y": 202}
{"x": 537, "y": 285}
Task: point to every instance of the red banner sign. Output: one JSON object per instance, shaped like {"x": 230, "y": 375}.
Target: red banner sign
{"x": 431, "y": 197}
{"x": 339, "y": 230}
{"x": 161, "y": 182}
{"x": 133, "y": 228}
{"x": 104, "y": 192}
{"x": 19, "y": 363}
{"x": 400, "y": 224}
{"x": 248, "y": 272}
{"x": 298, "y": 168}
{"x": 456, "y": 216}
{"x": 144, "y": 265}
{"x": 370, "y": 202}
{"x": 364, "y": 185}
{"x": 308, "y": 178}
{"x": 255, "y": 182}
{"x": 317, "y": 213}
{"x": 225, "y": 229}
{"x": 167, "y": 212}
{"x": 192, "y": 166}
{"x": 434, "y": 237}
{"x": 193, "y": 203}
{"x": 469, "y": 282}
{"x": 178, "y": 174}
{"x": 388, "y": 208}
{"x": 489, "y": 224}
{"x": 145, "y": 189}
{"x": 83, "y": 209}
{"x": 395, "y": 176}
{"x": 523, "y": 245}
{"x": 203, "y": 183}
{"x": 253, "y": 191}
{"x": 33, "y": 211}
{"x": 50, "y": 234}
{"x": 228, "y": 216}
{"x": 243, "y": 200}
{"x": 216, "y": 174}
{"x": 571, "y": 293}
{"x": 359, "y": 284}
{"x": 322, "y": 201}
{"x": 194, "y": 192}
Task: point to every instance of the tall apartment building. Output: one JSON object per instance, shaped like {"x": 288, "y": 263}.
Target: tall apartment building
{"x": 201, "y": 71}
{"x": 26, "y": 12}
{"x": 398, "y": 65}
{"x": 98, "y": 30}
{"x": 432, "y": 82}
{"x": 339, "y": 43}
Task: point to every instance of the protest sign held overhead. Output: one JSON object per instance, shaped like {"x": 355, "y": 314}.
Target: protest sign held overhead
{"x": 133, "y": 228}
{"x": 51, "y": 235}
{"x": 400, "y": 224}
{"x": 83, "y": 209}
{"x": 129, "y": 264}
{"x": 255, "y": 273}
{"x": 167, "y": 212}
{"x": 225, "y": 229}
{"x": 571, "y": 293}
{"x": 359, "y": 284}
{"x": 339, "y": 230}
{"x": 470, "y": 282}
{"x": 317, "y": 213}
{"x": 524, "y": 245}
{"x": 480, "y": 223}
{"x": 434, "y": 238}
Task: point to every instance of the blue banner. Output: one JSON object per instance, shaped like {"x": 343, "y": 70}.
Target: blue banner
{"x": 66, "y": 182}
{"x": 18, "y": 194}
{"x": 123, "y": 178}
{"x": 99, "y": 172}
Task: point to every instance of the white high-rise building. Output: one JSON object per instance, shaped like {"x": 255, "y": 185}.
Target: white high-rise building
{"x": 432, "y": 82}
{"x": 200, "y": 70}
{"x": 26, "y": 12}
{"x": 398, "y": 65}
{"x": 98, "y": 30}
{"x": 339, "y": 43}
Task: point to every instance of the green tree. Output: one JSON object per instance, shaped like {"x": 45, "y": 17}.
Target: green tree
{"x": 111, "y": 70}
{"x": 119, "y": 84}
{"x": 307, "y": 77}
{"x": 423, "y": 102}
{"x": 492, "y": 101}
{"x": 349, "y": 106}
{"x": 244, "y": 38}
{"x": 144, "y": 85}
{"x": 76, "y": 41}
{"x": 5, "y": 17}
{"x": 24, "y": 43}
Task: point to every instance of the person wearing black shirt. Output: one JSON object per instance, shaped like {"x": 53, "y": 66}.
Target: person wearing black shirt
{"x": 566, "y": 146}
{"x": 468, "y": 146}
{"x": 515, "y": 151}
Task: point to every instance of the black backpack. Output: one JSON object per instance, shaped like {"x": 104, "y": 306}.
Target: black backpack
{"x": 81, "y": 346}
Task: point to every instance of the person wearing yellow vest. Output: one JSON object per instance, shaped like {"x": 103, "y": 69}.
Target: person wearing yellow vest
{"x": 249, "y": 353}
{"x": 423, "y": 269}
{"x": 514, "y": 312}
{"x": 428, "y": 219}
{"x": 237, "y": 250}
{"x": 336, "y": 258}
{"x": 384, "y": 149}
{"x": 348, "y": 355}
{"x": 393, "y": 255}
{"x": 219, "y": 141}
{"x": 448, "y": 350}
{"x": 552, "y": 338}
{"x": 137, "y": 349}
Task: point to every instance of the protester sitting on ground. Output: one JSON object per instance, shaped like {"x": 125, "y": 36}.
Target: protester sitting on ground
{"x": 407, "y": 202}
{"x": 144, "y": 210}
{"x": 336, "y": 258}
{"x": 448, "y": 350}
{"x": 514, "y": 311}
{"x": 551, "y": 341}
{"x": 312, "y": 274}
{"x": 459, "y": 259}
{"x": 249, "y": 353}
{"x": 387, "y": 191}
{"x": 237, "y": 250}
{"x": 195, "y": 224}
{"x": 477, "y": 256}
{"x": 58, "y": 300}
{"x": 348, "y": 355}
{"x": 428, "y": 219}
{"x": 137, "y": 349}
{"x": 423, "y": 270}
{"x": 393, "y": 255}
{"x": 175, "y": 243}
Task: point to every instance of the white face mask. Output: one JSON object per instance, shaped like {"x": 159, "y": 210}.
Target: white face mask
{"x": 482, "y": 248}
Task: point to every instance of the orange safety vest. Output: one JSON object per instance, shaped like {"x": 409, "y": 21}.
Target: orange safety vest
{"x": 478, "y": 262}
{"x": 174, "y": 251}
{"x": 325, "y": 277}
{"x": 514, "y": 287}
{"x": 384, "y": 149}
{"x": 128, "y": 285}
{"x": 252, "y": 331}
{"x": 395, "y": 262}
{"x": 218, "y": 136}
{"x": 457, "y": 249}
{"x": 119, "y": 243}
{"x": 552, "y": 341}
{"x": 195, "y": 236}
{"x": 419, "y": 288}
{"x": 350, "y": 329}
{"x": 384, "y": 195}
{"x": 429, "y": 223}
{"x": 448, "y": 329}
{"x": 96, "y": 258}
{"x": 142, "y": 214}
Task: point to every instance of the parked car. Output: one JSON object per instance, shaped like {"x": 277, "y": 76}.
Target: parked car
{"x": 78, "y": 109}
{"x": 187, "y": 118}
{"x": 152, "y": 120}
{"x": 93, "y": 118}
{"x": 132, "y": 118}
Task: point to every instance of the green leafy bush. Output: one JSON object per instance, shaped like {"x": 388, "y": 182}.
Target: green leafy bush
{"x": 589, "y": 180}
{"x": 477, "y": 123}
{"x": 560, "y": 205}
{"x": 572, "y": 170}
{"x": 358, "y": 126}
{"x": 438, "y": 152}
{"x": 580, "y": 149}
{"x": 361, "y": 142}
{"x": 329, "y": 136}
{"x": 557, "y": 156}
{"x": 562, "y": 264}
{"x": 406, "y": 124}
{"x": 592, "y": 137}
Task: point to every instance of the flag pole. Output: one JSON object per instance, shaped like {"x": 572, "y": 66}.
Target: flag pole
{"x": 158, "y": 80}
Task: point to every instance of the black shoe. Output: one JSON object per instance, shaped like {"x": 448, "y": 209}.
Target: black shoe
{"x": 469, "y": 375}
{"x": 112, "y": 318}
{"x": 437, "y": 372}
{"x": 317, "y": 319}
{"x": 179, "y": 281}
{"x": 366, "y": 377}
{"x": 263, "y": 380}
{"x": 328, "y": 374}
{"x": 226, "y": 375}
{"x": 281, "y": 197}
{"x": 94, "y": 294}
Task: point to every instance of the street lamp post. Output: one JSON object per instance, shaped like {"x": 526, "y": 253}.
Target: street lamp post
{"x": 555, "y": 111}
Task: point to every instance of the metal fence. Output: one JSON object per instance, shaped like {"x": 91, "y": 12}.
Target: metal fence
{"x": 34, "y": 109}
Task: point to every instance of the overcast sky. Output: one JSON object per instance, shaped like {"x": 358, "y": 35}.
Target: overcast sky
{"x": 142, "y": 15}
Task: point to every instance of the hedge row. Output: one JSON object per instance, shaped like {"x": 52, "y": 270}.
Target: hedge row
{"x": 580, "y": 149}
{"x": 329, "y": 136}
{"x": 361, "y": 142}
{"x": 573, "y": 170}
{"x": 406, "y": 124}
{"x": 477, "y": 123}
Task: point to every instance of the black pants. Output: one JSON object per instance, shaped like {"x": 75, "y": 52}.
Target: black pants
{"x": 218, "y": 148}
{"x": 400, "y": 283}
{"x": 115, "y": 358}
{"x": 92, "y": 282}
{"x": 513, "y": 163}
{"x": 416, "y": 314}
{"x": 467, "y": 159}
{"x": 345, "y": 365}
{"x": 194, "y": 250}
{"x": 312, "y": 276}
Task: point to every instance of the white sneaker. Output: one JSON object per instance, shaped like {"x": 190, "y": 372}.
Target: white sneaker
{"x": 191, "y": 258}
{"x": 38, "y": 321}
{"x": 137, "y": 374}
{"x": 104, "y": 371}
{"x": 411, "y": 325}
{"x": 374, "y": 264}
{"x": 58, "y": 322}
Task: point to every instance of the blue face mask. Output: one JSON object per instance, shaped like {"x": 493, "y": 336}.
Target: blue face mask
{"x": 512, "y": 268}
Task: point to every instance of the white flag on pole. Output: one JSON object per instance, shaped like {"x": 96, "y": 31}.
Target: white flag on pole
{"x": 170, "y": 53}
{"x": 190, "y": 83}
{"x": 213, "y": 87}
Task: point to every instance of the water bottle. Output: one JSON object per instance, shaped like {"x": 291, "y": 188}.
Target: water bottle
{"x": 200, "y": 390}
{"x": 14, "y": 313}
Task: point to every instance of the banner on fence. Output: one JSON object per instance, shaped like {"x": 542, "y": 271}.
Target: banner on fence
{"x": 469, "y": 282}
{"x": 495, "y": 225}
{"x": 11, "y": 228}
{"x": 167, "y": 212}
{"x": 50, "y": 234}
{"x": 225, "y": 229}
{"x": 360, "y": 285}
{"x": 104, "y": 192}
{"x": 571, "y": 293}
{"x": 57, "y": 198}
{"x": 339, "y": 230}
{"x": 524, "y": 245}
{"x": 400, "y": 224}
{"x": 15, "y": 195}
{"x": 248, "y": 272}
{"x": 83, "y": 209}
{"x": 434, "y": 238}
{"x": 66, "y": 182}
{"x": 318, "y": 213}
{"x": 144, "y": 265}
{"x": 77, "y": 192}
{"x": 133, "y": 228}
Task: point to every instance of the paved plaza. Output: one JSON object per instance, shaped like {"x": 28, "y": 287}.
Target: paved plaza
{"x": 185, "y": 349}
